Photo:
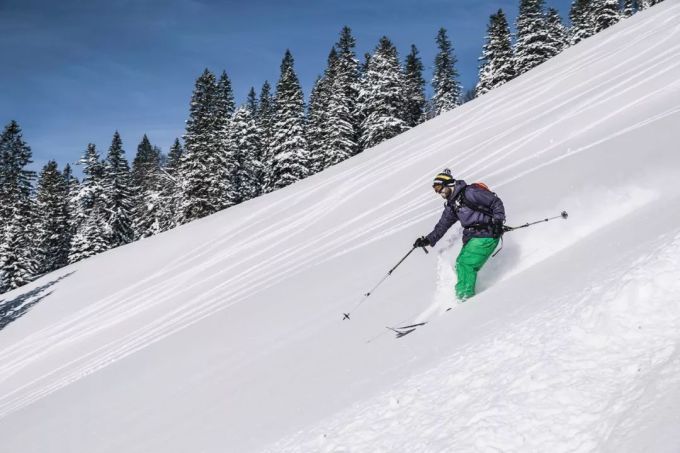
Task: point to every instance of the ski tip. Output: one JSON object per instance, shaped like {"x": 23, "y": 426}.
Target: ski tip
{"x": 404, "y": 332}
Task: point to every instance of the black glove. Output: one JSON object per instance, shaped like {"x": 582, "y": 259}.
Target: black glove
{"x": 497, "y": 228}
{"x": 422, "y": 241}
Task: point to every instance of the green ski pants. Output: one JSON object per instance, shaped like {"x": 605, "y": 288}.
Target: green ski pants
{"x": 470, "y": 260}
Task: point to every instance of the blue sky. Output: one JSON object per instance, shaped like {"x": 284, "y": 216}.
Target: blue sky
{"x": 76, "y": 71}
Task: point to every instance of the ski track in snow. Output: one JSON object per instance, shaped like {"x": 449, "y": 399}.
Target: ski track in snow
{"x": 564, "y": 400}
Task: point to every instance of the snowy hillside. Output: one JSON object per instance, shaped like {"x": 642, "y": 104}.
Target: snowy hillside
{"x": 226, "y": 334}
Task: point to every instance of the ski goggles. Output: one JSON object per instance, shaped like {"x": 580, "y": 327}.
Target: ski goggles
{"x": 442, "y": 190}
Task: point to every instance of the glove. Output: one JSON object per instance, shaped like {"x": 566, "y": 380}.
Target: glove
{"x": 497, "y": 228}
{"x": 422, "y": 241}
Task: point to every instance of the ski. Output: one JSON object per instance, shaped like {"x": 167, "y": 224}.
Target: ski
{"x": 410, "y": 326}
{"x": 405, "y": 330}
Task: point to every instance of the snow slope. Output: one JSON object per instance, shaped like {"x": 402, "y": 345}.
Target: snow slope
{"x": 225, "y": 335}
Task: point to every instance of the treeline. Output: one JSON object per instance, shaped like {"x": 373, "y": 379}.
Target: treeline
{"x": 231, "y": 154}
{"x": 541, "y": 34}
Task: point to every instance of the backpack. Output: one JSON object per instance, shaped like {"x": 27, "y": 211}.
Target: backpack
{"x": 461, "y": 200}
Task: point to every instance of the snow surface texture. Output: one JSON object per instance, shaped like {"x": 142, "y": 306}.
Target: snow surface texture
{"x": 226, "y": 334}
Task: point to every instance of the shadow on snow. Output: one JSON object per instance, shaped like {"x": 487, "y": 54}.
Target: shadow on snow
{"x": 13, "y": 309}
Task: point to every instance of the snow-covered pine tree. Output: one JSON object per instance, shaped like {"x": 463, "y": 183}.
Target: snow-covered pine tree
{"x": 533, "y": 46}
{"x": 223, "y": 192}
{"x": 339, "y": 143}
{"x": 224, "y": 100}
{"x": 169, "y": 187}
{"x": 74, "y": 208}
{"x": 382, "y": 99}
{"x": 347, "y": 77}
{"x": 415, "y": 88}
{"x": 265, "y": 123}
{"x": 288, "y": 146}
{"x": 363, "y": 67}
{"x": 54, "y": 231}
{"x": 497, "y": 61}
{"x": 15, "y": 180}
{"x": 252, "y": 103}
{"x": 644, "y": 4}
{"x": 582, "y": 19}
{"x": 558, "y": 35}
{"x": 196, "y": 172}
{"x": 447, "y": 89}
{"x": 317, "y": 115}
{"x": 17, "y": 265}
{"x": 146, "y": 180}
{"x": 606, "y": 13}
{"x": 93, "y": 233}
{"x": 118, "y": 194}
{"x": 316, "y": 123}
{"x": 629, "y": 8}
{"x": 17, "y": 216}
{"x": 245, "y": 140}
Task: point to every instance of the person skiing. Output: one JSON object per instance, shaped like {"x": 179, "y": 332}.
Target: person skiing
{"x": 482, "y": 215}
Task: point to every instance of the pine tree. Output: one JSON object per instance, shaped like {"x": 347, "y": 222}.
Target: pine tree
{"x": 201, "y": 145}
{"x": 17, "y": 216}
{"x": 223, "y": 161}
{"x": 629, "y": 7}
{"x": 73, "y": 201}
{"x": 15, "y": 179}
{"x": 17, "y": 266}
{"x": 347, "y": 81}
{"x": 415, "y": 88}
{"x": 289, "y": 146}
{"x": 497, "y": 60}
{"x": 606, "y": 13}
{"x": 265, "y": 123}
{"x": 146, "y": 180}
{"x": 224, "y": 100}
{"x": 252, "y": 103}
{"x": 169, "y": 187}
{"x": 339, "y": 143}
{"x": 174, "y": 157}
{"x": 245, "y": 139}
{"x": 447, "y": 89}
{"x": 92, "y": 234}
{"x": 382, "y": 98}
{"x": 558, "y": 35}
{"x": 54, "y": 233}
{"x": 363, "y": 68}
{"x": 118, "y": 194}
{"x": 533, "y": 46}
{"x": 581, "y": 15}
{"x": 316, "y": 123}
{"x": 317, "y": 118}
{"x": 644, "y": 4}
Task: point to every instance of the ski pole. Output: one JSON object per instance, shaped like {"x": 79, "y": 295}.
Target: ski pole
{"x": 563, "y": 215}
{"x": 366, "y": 296}
{"x": 506, "y": 229}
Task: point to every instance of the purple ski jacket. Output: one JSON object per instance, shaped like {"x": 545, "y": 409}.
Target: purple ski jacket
{"x": 476, "y": 222}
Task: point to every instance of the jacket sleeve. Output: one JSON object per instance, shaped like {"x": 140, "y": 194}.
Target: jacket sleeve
{"x": 446, "y": 221}
{"x": 498, "y": 209}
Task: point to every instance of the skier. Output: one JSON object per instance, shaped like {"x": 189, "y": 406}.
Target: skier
{"x": 482, "y": 215}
